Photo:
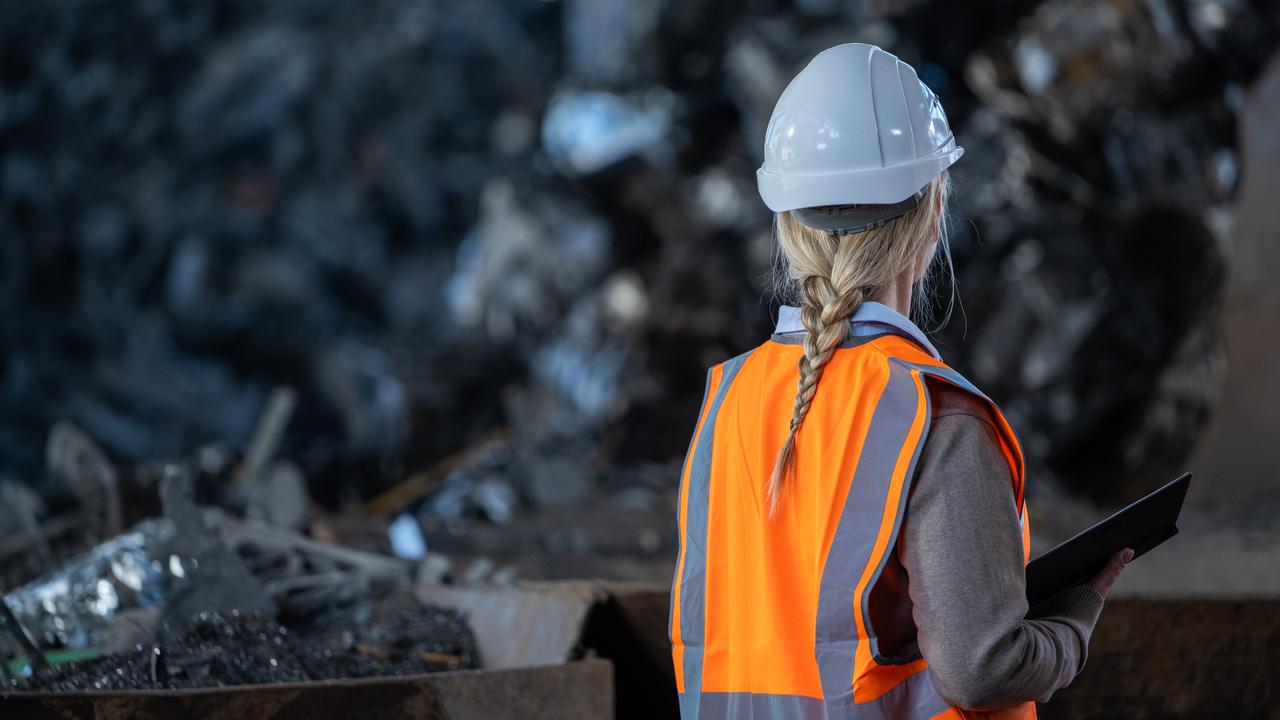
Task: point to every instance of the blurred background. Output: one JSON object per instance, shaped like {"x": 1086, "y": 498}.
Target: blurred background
{"x": 442, "y": 279}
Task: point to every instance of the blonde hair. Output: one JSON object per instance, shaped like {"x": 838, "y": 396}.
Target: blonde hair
{"x": 829, "y": 275}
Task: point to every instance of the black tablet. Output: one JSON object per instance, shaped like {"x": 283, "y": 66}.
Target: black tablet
{"x": 1141, "y": 526}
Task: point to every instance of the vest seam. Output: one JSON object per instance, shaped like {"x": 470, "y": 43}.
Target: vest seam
{"x": 849, "y": 342}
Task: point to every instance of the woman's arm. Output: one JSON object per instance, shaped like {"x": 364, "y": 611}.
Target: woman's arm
{"x": 961, "y": 545}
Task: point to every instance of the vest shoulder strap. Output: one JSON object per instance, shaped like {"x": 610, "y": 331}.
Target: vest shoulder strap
{"x": 904, "y": 352}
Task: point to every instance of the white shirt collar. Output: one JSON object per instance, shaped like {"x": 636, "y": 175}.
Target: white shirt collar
{"x": 871, "y": 318}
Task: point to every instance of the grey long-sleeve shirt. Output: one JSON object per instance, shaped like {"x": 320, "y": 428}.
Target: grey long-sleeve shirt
{"x": 955, "y": 588}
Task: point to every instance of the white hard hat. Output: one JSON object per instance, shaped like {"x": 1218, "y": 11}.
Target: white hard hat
{"x": 856, "y": 127}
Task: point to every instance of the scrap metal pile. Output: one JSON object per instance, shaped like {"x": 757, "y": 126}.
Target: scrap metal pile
{"x": 459, "y": 263}
{"x": 198, "y": 598}
{"x": 233, "y": 648}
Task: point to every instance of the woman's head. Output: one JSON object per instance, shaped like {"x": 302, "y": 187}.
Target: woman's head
{"x": 828, "y": 274}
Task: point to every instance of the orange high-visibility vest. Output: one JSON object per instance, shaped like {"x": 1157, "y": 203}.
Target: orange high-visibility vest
{"x": 769, "y": 617}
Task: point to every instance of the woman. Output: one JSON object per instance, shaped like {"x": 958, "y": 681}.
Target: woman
{"x": 853, "y": 531}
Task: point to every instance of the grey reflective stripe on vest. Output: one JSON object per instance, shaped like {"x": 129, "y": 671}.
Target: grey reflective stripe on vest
{"x": 693, "y": 545}
{"x": 947, "y": 374}
{"x": 688, "y": 455}
{"x": 865, "y": 506}
{"x": 913, "y": 699}
{"x": 908, "y": 385}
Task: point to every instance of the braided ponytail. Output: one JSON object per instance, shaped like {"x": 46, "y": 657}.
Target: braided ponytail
{"x": 831, "y": 275}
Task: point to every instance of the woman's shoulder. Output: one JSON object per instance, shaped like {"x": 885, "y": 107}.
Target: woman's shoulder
{"x": 947, "y": 400}
{"x": 961, "y": 453}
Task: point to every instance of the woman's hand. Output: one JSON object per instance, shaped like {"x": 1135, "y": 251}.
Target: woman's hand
{"x": 1102, "y": 582}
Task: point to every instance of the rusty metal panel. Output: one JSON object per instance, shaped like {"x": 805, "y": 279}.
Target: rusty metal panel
{"x": 570, "y": 691}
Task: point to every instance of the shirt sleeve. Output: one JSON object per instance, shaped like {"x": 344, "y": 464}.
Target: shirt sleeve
{"x": 961, "y": 545}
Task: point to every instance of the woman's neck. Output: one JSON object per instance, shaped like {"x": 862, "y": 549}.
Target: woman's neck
{"x": 896, "y": 295}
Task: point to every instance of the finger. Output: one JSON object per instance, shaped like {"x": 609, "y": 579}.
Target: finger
{"x": 1105, "y": 579}
{"x": 1110, "y": 572}
{"x": 1116, "y": 564}
{"x": 1113, "y": 574}
{"x": 1113, "y": 569}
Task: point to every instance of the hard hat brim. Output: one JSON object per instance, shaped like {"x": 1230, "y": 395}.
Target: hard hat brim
{"x": 871, "y": 186}
{"x": 845, "y": 219}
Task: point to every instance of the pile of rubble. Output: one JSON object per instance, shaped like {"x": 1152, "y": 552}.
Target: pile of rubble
{"x": 222, "y": 649}
{"x": 541, "y": 216}
{"x": 197, "y": 598}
